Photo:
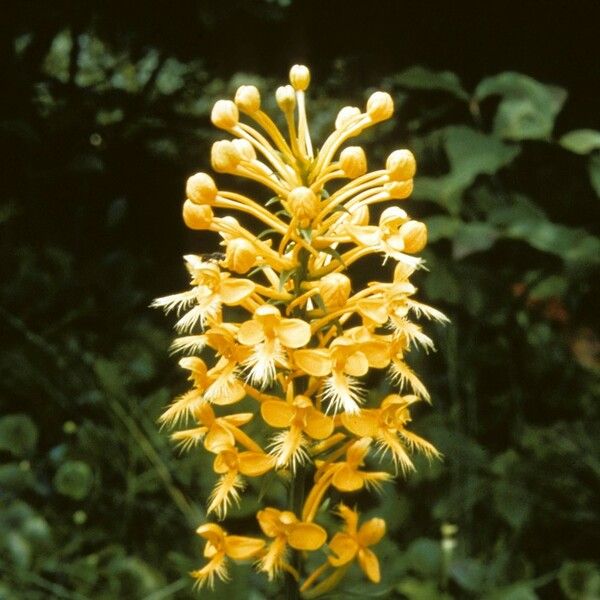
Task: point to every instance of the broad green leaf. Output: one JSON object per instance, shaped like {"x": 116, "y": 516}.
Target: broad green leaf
{"x": 74, "y": 479}
{"x": 550, "y": 287}
{"x": 518, "y": 591}
{"x": 415, "y": 589}
{"x": 424, "y": 557}
{"x": 18, "y": 435}
{"x": 441, "y": 227}
{"x": 58, "y": 59}
{"x": 468, "y": 573}
{"x": 580, "y": 580}
{"x": 594, "y": 172}
{"x": 581, "y": 141}
{"x": 470, "y": 154}
{"x": 473, "y": 237}
{"x": 527, "y": 109}
{"x": 512, "y": 503}
{"x": 421, "y": 78}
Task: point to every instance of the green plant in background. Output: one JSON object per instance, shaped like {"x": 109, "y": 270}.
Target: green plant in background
{"x": 509, "y": 200}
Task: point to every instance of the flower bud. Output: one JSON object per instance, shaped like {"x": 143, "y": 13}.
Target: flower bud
{"x": 353, "y": 161}
{"x": 286, "y": 98}
{"x": 392, "y": 217}
{"x": 304, "y": 205}
{"x": 224, "y": 156}
{"x": 240, "y": 255}
{"x": 414, "y": 234}
{"x": 401, "y": 165}
{"x": 299, "y": 77}
{"x": 346, "y": 114}
{"x": 245, "y": 149}
{"x": 201, "y": 189}
{"x": 224, "y": 114}
{"x": 380, "y": 106}
{"x": 247, "y": 99}
{"x": 335, "y": 290}
{"x": 197, "y": 216}
{"x": 399, "y": 190}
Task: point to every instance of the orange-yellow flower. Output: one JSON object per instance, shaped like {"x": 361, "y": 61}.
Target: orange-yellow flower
{"x": 212, "y": 288}
{"x": 354, "y": 543}
{"x": 286, "y": 530}
{"x": 269, "y": 334}
{"x": 346, "y": 476}
{"x": 387, "y": 426}
{"x": 220, "y": 546}
{"x": 215, "y": 431}
{"x": 230, "y": 464}
{"x": 300, "y": 417}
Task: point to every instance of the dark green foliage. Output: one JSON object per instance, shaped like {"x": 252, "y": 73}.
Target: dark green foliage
{"x": 99, "y": 132}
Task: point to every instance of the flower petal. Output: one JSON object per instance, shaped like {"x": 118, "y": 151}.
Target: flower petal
{"x": 347, "y": 479}
{"x": 255, "y": 464}
{"x": 369, "y": 564}
{"x": 315, "y": 362}
{"x": 242, "y": 548}
{"x": 250, "y": 333}
{"x": 344, "y": 548}
{"x": 218, "y": 436}
{"x": 371, "y": 532}
{"x": 374, "y": 309}
{"x": 362, "y": 424}
{"x": 356, "y": 364}
{"x": 306, "y": 536}
{"x": 233, "y": 291}
{"x": 277, "y": 413}
{"x": 293, "y": 333}
{"x": 318, "y": 426}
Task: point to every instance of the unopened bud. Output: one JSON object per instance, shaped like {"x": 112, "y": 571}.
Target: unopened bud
{"x": 224, "y": 114}
{"x": 380, "y": 106}
{"x": 392, "y": 217}
{"x": 353, "y": 161}
{"x": 414, "y": 234}
{"x": 197, "y": 216}
{"x": 224, "y": 156}
{"x": 245, "y": 149}
{"x": 240, "y": 255}
{"x": 399, "y": 190}
{"x": 335, "y": 290}
{"x": 304, "y": 205}
{"x": 401, "y": 165}
{"x": 247, "y": 99}
{"x": 286, "y": 98}
{"x": 299, "y": 77}
{"x": 346, "y": 114}
{"x": 201, "y": 189}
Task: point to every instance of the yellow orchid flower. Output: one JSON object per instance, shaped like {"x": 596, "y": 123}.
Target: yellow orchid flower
{"x": 345, "y": 476}
{"x": 340, "y": 365}
{"x": 230, "y": 464}
{"x": 187, "y": 403}
{"x": 354, "y": 543}
{"x": 212, "y": 288}
{"x": 215, "y": 431}
{"x": 387, "y": 426}
{"x": 286, "y": 530}
{"x": 269, "y": 335}
{"x": 220, "y": 546}
{"x": 298, "y": 418}
{"x": 388, "y": 237}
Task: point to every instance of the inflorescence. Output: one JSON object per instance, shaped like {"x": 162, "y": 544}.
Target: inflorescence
{"x": 275, "y": 318}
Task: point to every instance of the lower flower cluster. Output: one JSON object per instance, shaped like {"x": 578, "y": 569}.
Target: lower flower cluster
{"x": 275, "y": 319}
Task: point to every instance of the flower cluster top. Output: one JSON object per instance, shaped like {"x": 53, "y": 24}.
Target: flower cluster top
{"x": 276, "y": 318}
